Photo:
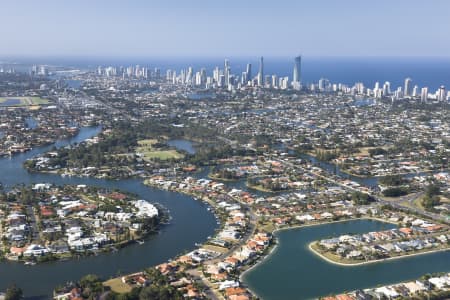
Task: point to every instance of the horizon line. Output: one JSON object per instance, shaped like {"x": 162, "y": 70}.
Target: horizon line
{"x": 202, "y": 57}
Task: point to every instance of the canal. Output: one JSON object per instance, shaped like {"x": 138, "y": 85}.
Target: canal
{"x": 292, "y": 271}
{"x": 191, "y": 223}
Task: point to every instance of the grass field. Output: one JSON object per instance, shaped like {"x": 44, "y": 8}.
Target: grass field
{"x": 117, "y": 285}
{"x": 22, "y": 101}
{"x": 149, "y": 152}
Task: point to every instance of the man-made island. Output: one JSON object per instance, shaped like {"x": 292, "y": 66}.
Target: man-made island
{"x": 45, "y": 222}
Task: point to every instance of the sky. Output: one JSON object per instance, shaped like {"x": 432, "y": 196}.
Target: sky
{"x": 210, "y": 28}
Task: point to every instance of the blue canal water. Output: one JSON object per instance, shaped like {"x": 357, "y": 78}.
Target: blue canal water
{"x": 292, "y": 271}
{"x": 31, "y": 123}
{"x": 184, "y": 145}
{"x": 73, "y": 83}
{"x": 192, "y": 223}
{"x": 10, "y": 102}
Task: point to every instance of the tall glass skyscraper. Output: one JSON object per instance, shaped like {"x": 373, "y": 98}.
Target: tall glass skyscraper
{"x": 261, "y": 72}
{"x": 407, "y": 90}
{"x": 226, "y": 71}
{"x": 249, "y": 73}
{"x": 297, "y": 69}
{"x": 296, "y": 76}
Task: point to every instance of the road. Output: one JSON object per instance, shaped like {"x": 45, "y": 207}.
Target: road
{"x": 212, "y": 292}
{"x": 396, "y": 204}
{"x": 33, "y": 223}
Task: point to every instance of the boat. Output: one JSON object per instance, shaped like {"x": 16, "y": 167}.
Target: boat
{"x": 29, "y": 263}
{"x": 140, "y": 242}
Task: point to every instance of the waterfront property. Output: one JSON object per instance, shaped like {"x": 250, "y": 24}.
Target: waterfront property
{"x": 40, "y": 280}
{"x": 296, "y": 272}
{"x": 434, "y": 286}
{"x": 351, "y": 249}
{"x": 316, "y": 150}
{"x": 45, "y": 222}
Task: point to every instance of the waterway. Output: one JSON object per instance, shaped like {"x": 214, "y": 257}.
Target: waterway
{"x": 184, "y": 145}
{"x": 335, "y": 169}
{"x": 31, "y": 123}
{"x": 371, "y": 182}
{"x": 292, "y": 271}
{"x": 74, "y": 83}
{"x": 191, "y": 223}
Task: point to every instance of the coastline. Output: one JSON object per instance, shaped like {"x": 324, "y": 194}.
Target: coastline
{"x": 258, "y": 262}
{"x": 211, "y": 176}
{"x": 372, "y": 261}
{"x": 276, "y": 244}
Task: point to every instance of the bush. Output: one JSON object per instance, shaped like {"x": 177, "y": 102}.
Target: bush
{"x": 395, "y": 192}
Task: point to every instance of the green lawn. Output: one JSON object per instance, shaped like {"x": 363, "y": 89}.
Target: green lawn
{"x": 24, "y": 101}
{"x": 149, "y": 152}
{"x": 117, "y": 285}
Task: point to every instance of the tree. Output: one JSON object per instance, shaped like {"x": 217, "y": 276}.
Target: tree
{"x": 431, "y": 197}
{"x": 377, "y": 151}
{"x": 395, "y": 192}
{"x": 91, "y": 284}
{"x": 432, "y": 190}
{"x": 13, "y": 293}
{"x": 392, "y": 180}
{"x": 361, "y": 198}
{"x": 429, "y": 202}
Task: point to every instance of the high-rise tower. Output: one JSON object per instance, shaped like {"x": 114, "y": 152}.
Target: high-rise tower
{"x": 407, "y": 91}
{"x": 424, "y": 94}
{"x": 261, "y": 72}
{"x": 226, "y": 72}
{"x": 441, "y": 93}
{"x": 297, "y": 69}
{"x": 249, "y": 73}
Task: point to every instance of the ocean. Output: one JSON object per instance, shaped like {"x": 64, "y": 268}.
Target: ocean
{"x": 429, "y": 72}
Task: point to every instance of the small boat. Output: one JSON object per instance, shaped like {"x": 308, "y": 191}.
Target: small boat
{"x": 140, "y": 242}
{"x": 29, "y": 263}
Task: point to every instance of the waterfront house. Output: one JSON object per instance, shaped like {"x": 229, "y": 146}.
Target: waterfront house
{"x": 35, "y": 250}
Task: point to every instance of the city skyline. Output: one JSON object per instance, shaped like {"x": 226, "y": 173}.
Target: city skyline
{"x": 206, "y": 29}
{"x": 235, "y": 150}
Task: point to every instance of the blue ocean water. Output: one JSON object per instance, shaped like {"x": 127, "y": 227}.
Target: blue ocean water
{"x": 429, "y": 72}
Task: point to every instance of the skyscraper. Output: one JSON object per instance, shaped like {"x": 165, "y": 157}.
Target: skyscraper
{"x": 415, "y": 91}
{"x": 424, "y": 94}
{"x": 386, "y": 88}
{"x": 407, "y": 90}
{"x": 249, "y": 73}
{"x": 261, "y": 72}
{"x": 244, "y": 79}
{"x": 441, "y": 93}
{"x": 216, "y": 74}
{"x": 226, "y": 72}
{"x": 296, "y": 76}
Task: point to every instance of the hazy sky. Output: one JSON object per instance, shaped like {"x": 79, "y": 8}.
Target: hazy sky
{"x": 164, "y": 28}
